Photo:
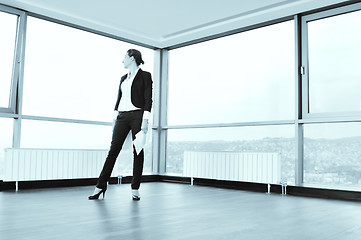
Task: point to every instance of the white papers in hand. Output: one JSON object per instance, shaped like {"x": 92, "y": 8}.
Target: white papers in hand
{"x": 139, "y": 141}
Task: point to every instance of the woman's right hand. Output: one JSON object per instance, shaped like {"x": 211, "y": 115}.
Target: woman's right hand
{"x": 113, "y": 124}
{"x": 115, "y": 116}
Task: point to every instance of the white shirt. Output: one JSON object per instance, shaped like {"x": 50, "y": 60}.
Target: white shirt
{"x": 125, "y": 103}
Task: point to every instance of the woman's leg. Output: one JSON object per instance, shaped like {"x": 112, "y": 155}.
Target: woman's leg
{"x": 120, "y": 132}
{"x": 138, "y": 163}
{"x": 138, "y": 160}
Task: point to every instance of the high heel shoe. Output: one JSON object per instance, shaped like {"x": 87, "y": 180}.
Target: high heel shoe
{"x": 135, "y": 195}
{"x": 96, "y": 196}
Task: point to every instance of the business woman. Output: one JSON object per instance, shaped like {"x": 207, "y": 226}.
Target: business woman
{"x": 133, "y": 108}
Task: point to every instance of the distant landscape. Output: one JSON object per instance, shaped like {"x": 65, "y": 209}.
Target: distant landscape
{"x": 327, "y": 162}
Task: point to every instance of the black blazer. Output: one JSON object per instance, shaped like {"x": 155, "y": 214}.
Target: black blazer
{"x": 141, "y": 90}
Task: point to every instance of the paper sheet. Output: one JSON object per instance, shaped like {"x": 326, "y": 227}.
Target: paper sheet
{"x": 139, "y": 141}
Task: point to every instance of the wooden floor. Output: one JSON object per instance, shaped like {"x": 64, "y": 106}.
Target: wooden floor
{"x": 174, "y": 211}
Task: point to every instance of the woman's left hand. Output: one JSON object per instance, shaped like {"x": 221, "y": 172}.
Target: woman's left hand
{"x": 144, "y": 126}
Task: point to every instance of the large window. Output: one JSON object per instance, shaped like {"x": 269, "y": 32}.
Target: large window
{"x": 331, "y": 90}
{"x": 71, "y": 73}
{"x": 8, "y": 23}
{"x": 332, "y": 155}
{"x": 257, "y": 140}
{"x": 334, "y": 51}
{"x": 244, "y": 77}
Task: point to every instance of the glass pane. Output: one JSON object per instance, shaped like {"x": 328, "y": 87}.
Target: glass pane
{"x": 334, "y": 68}
{"x": 56, "y": 135}
{"x": 258, "y": 140}
{"x": 42, "y": 134}
{"x": 243, "y": 77}
{"x": 71, "y": 73}
{"x": 8, "y": 24}
{"x": 332, "y": 154}
{"x": 6, "y": 137}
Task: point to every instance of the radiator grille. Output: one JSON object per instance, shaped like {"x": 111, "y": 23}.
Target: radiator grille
{"x": 235, "y": 166}
{"x": 46, "y": 164}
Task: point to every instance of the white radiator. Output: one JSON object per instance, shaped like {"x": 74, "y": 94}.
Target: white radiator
{"x": 235, "y": 166}
{"x": 47, "y": 164}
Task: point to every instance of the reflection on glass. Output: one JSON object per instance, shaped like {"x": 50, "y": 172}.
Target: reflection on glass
{"x": 260, "y": 139}
{"x": 334, "y": 68}
{"x": 6, "y": 137}
{"x": 56, "y": 135}
{"x": 7, "y": 47}
{"x": 332, "y": 154}
{"x": 71, "y": 73}
{"x": 244, "y": 77}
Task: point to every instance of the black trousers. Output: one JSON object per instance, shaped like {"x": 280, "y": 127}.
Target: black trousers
{"x": 125, "y": 122}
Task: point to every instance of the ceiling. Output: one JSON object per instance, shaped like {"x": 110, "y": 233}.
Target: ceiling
{"x": 165, "y": 23}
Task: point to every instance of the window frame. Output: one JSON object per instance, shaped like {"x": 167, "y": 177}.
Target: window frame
{"x": 334, "y": 116}
{"x": 12, "y": 107}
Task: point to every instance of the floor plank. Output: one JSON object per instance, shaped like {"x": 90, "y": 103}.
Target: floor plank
{"x": 173, "y": 211}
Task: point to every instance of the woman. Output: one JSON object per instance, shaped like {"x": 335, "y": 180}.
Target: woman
{"x": 133, "y": 107}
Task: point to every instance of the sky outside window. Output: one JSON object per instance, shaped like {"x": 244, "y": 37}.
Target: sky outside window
{"x": 243, "y": 77}
{"x": 8, "y": 24}
{"x": 71, "y": 73}
{"x": 334, "y": 65}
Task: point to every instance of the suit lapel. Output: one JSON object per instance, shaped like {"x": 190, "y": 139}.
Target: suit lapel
{"x": 123, "y": 78}
{"x": 137, "y": 76}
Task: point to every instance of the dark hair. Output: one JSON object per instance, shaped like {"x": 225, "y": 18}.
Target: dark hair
{"x": 137, "y": 56}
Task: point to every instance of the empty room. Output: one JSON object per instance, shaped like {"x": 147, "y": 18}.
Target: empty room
{"x": 180, "y": 119}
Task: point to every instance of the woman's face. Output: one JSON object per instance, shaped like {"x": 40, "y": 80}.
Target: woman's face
{"x": 127, "y": 61}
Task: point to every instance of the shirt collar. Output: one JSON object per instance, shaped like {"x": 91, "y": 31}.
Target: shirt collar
{"x": 134, "y": 74}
